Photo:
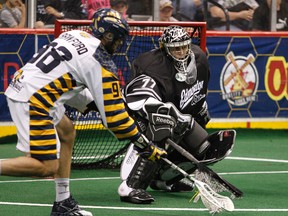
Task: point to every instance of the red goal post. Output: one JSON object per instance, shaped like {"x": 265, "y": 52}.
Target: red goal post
{"x": 95, "y": 147}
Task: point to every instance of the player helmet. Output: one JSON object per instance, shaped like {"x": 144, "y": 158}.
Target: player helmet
{"x": 108, "y": 20}
{"x": 177, "y": 44}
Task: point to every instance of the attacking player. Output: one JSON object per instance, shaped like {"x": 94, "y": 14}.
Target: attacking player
{"x": 168, "y": 98}
{"x": 57, "y": 73}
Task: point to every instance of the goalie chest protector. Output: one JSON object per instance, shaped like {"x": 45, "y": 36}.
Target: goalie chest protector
{"x": 188, "y": 98}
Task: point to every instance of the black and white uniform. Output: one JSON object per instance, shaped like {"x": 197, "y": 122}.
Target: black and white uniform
{"x": 154, "y": 74}
{"x": 153, "y": 79}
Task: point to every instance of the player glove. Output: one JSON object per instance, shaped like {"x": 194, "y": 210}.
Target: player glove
{"x": 148, "y": 149}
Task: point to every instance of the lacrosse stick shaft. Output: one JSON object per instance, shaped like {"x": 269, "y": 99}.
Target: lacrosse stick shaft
{"x": 175, "y": 167}
{"x": 201, "y": 166}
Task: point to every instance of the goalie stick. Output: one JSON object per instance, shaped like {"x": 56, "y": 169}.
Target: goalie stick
{"x": 202, "y": 167}
{"x": 211, "y": 200}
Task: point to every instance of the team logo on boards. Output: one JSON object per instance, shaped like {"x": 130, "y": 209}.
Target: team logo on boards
{"x": 239, "y": 80}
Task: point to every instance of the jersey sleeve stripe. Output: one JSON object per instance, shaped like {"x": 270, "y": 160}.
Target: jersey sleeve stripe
{"x": 132, "y": 136}
{"x": 109, "y": 79}
{"x": 69, "y": 79}
{"x": 114, "y": 112}
{"x": 125, "y": 130}
{"x": 117, "y": 118}
{"x": 113, "y": 102}
{"x": 107, "y": 91}
{"x": 118, "y": 122}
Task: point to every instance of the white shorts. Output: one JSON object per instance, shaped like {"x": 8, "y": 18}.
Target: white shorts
{"x": 36, "y": 132}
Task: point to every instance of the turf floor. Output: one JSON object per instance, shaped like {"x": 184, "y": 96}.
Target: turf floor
{"x": 258, "y": 166}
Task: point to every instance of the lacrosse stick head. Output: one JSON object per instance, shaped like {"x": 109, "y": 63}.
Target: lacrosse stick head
{"x": 214, "y": 184}
{"x": 213, "y": 201}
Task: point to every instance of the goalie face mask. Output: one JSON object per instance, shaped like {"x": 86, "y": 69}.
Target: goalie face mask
{"x": 177, "y": 44}
{"x": 186, "y": 72}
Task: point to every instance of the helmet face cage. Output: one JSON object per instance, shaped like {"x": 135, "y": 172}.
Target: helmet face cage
{"x": 176, "y": 36}
{"x": 108, "y": 20}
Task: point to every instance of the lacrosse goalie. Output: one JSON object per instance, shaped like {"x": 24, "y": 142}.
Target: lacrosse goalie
{"x": 167, "y": 96}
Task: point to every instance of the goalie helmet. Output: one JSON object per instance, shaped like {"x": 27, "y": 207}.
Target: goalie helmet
{"x": 108, "y": 20}
{"x": 177, "y": 44}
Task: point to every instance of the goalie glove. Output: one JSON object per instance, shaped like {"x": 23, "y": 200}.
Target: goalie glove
{"x": 166, "y": 121}
{"x": 148, "y": 149}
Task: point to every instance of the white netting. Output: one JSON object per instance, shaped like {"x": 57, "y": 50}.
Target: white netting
{"x": 215, "y": 185}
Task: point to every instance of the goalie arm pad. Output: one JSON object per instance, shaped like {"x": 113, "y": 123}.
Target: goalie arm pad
{"x": 139, "y": 90}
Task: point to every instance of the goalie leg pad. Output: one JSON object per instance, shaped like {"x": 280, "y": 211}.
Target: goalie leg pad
{"x": 129, "y": 161}
{"x": 222, "y": 143}
{"x": 195, "y": 141}
{"x": 142, "y": 173}
{"x": 136, "y": 174}
{"x": 137, "y": 171}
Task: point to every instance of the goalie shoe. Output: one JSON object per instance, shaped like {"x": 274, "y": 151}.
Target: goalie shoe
{"x": 68, "y": 207}
{"x": 136, "y": 196}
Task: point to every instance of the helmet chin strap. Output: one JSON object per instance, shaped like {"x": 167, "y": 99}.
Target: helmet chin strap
{"x": 186, "y": 73}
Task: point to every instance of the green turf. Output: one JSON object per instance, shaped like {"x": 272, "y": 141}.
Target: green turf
{"x": 263, "y": 193}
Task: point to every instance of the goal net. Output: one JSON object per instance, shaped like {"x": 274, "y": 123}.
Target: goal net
{"x": 95, "y": 146}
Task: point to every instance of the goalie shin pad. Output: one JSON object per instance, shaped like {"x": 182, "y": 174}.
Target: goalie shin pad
{"x": 129, "y": 162}
{"x": 142, "y": 173}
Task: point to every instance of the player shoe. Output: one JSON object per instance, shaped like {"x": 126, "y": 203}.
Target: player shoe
{"x": 138, "y": 196}
{"x": 182, "y": 185}
{"x": 68, "y": 207}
